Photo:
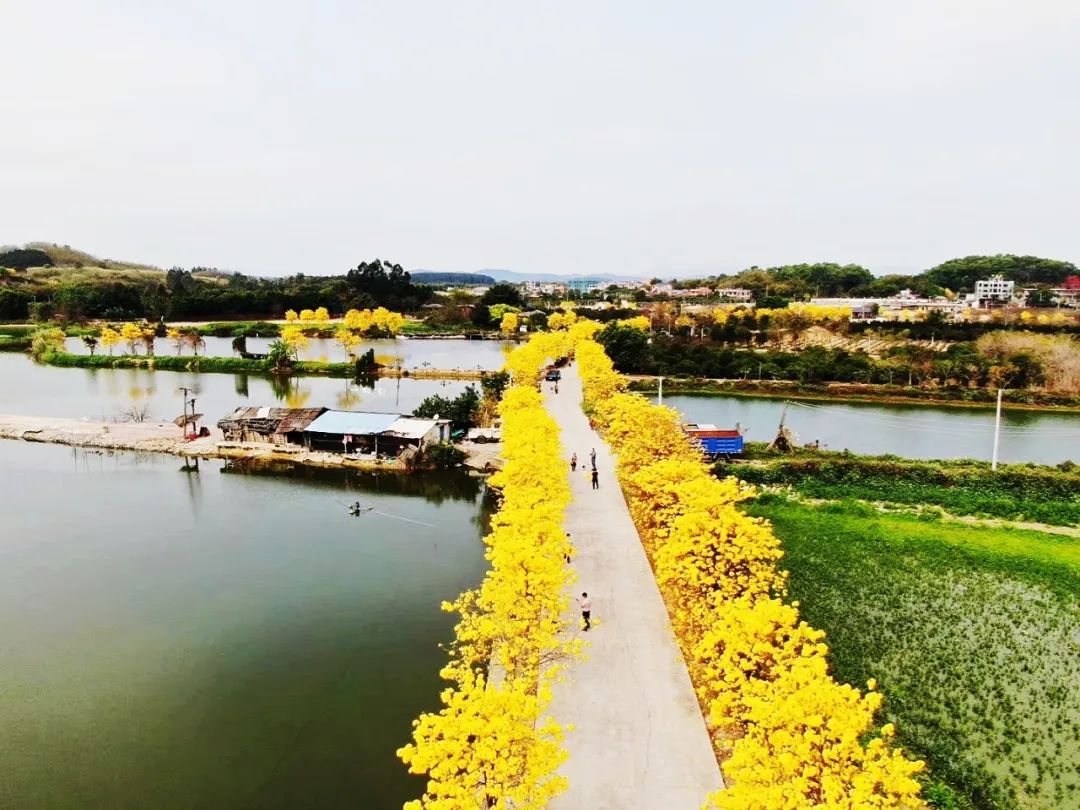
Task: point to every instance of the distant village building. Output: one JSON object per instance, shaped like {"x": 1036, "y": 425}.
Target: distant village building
{"x": 692, "y": 292}
{"x": 994, "y": 290}
{"x": 1068, "y": 294}
{"x": 535, "y": 289}
{"x": 737, "y": 294}
{"x": 585, "y": 285}
{"x": 865, "y": 309}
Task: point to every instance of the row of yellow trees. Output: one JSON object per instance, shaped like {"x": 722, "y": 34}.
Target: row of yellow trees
{"x": 353, "y": 328}
{"x": 363, "y": 321}
{"x": 796, "y": 738}
{"x": 492, "y": 745}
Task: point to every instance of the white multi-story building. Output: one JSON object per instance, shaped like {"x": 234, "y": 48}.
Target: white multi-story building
{"x": 735, "y": 294}
{"x": 995, "y": 288}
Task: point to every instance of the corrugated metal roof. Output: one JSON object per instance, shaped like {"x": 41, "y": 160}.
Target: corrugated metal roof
{"x": 359, "y": 423}
{"x": 410, "y": 428}
{"x": 270, "y": 420}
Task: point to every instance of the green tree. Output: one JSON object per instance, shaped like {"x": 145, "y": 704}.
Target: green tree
{"x": 627, "y": 347}
{"x": 462, "y": 410}
{"x": 961, "y": 274}
{"x": 502, "y": 293}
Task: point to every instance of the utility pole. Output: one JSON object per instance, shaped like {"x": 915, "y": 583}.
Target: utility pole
{"x": 660, "y": 392}
{"x": 183, "y": 423}
{"x": 997, "y": 430}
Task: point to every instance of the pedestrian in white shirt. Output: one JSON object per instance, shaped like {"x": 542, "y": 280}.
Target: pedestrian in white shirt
{"x": 586, "y": 610}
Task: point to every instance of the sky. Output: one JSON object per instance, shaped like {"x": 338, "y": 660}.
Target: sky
{"x": 682, "y": 138}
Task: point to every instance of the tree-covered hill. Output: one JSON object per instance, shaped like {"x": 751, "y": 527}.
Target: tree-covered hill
{"x": 42, "y": 281}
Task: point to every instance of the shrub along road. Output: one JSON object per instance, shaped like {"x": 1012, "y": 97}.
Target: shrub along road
{"x": 639, "y": 738}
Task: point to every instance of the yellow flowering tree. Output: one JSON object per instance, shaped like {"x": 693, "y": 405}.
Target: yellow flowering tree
{"x": 637, "y": 322}
{"x": 492, "y": 744}
{"x": 346, "y": 338}
{"x": 109, "y": 337}
{"x": 131, "y": 333}
{"x": 295, "y": 339}
{"x": 801, "y": 740}
{"x": 509, "y": 323}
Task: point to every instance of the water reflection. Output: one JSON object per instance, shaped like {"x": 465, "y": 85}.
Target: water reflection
{"x": 408, "y": 353}
{"x": 912, "y": 431}
{"x": 190, "y": 469}
{"x": 237, "y": 639}
{"x": 434, "y": 486}
{"x": 29, "y": 388}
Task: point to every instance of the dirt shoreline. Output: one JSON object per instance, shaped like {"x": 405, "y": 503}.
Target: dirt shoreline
{"x": 165, "y": 437}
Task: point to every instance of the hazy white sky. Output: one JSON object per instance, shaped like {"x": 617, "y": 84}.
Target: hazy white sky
{"x": 626, "y": 137}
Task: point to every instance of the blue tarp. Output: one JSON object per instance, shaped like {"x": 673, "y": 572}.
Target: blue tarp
{"x": 356, "y": 423}
{"x": 731, "y": 445}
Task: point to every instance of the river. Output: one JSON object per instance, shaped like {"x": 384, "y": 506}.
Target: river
{"x": 913, "y": 431}
{"x": 175, "y": 638}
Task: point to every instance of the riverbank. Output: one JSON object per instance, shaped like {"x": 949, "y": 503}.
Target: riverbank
{"x": 165, "y": 437}
{"x": 973, "y": 398}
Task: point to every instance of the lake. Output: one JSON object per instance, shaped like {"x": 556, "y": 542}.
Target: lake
{"x": 109, "y": 394}
{"x": 914, "y": 431}
{"x": 444, "y": 354}
{"x": 175, "y": 636}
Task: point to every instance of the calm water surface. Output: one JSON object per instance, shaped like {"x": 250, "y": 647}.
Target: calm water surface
{"x": 446, "y": 354}
{"x": 29, "y": 388}
{"x": 181, "y": 638}
{"x": 913, "y": 431}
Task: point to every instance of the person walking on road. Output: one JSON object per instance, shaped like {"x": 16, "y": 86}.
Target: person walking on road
{"x": 573, "y": 463}
{"x": 595, "y": 479}
{"x": 586, "y": 610}
{"x": 592, "y": 457}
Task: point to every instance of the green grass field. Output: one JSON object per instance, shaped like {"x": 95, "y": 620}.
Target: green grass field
{"x": 1024, "y": 492}
{"x": 972, "y": 632}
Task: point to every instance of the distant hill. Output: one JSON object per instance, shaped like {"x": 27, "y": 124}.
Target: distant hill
{"x": 433, "y": 277}
{"x": 49, "y": 254}
{"x": 515, "y": 278}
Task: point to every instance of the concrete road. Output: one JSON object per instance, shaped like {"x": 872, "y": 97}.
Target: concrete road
{"x": 639, "y": 740}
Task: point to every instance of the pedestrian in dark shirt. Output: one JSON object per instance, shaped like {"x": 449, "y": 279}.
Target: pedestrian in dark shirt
{"x": 573, "y": 463}
{"x": 595, "y": 479}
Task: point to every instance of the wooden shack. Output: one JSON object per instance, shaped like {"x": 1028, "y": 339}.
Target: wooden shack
{"x": 268, "y": 425}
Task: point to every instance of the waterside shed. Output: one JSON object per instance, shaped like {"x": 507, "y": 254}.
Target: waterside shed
{"x": 371, "y": 433}
{"x": 268, "y": 425}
